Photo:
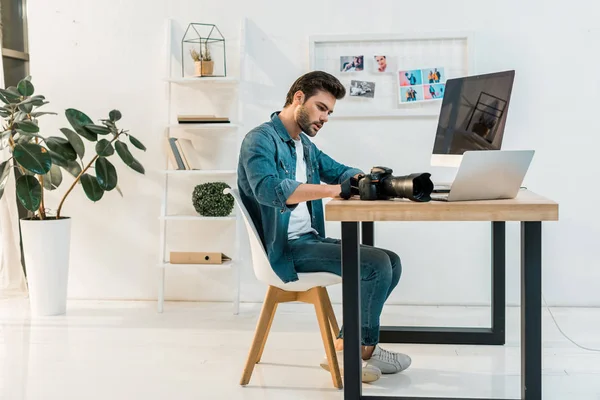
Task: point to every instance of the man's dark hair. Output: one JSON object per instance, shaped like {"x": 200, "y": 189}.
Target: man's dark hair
{"x": 314, "y": 81}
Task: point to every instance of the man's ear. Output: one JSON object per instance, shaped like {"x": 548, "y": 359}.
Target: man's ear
{"x": 299, "y": 96}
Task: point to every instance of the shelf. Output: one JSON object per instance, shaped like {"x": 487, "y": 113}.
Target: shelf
{"x": 203, "y": 79}
{"x": 203, "y": 126}
{"x": 169, "y": 265}
{"x": 196, "y": 218}
{"x": 201, "y": 171}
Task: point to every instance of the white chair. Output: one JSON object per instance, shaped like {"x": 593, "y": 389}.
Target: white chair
{"x": 309, "y": 288}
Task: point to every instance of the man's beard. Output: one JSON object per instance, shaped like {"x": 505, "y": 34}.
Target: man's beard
{"x": 304, "y": 122}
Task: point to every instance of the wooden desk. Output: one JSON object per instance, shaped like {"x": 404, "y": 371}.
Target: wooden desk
{"x": 527, "y": 208}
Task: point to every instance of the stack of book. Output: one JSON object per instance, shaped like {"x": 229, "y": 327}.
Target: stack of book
{"x": 182, "y": 154}
{"x": 202, "y": 119}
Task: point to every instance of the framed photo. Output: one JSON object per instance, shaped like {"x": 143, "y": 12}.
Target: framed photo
{"x": 362, "y": 89}
{"x": 352, "y": 63}
{"x": 383, "y": 64}
{"x": 433, "y": 75}
{"x": 411, "y": 94}
{"x": 410, "y": 77}
{"x": 434, "y": 92}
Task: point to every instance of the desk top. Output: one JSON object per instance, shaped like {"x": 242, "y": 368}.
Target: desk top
{"x": 527, "y": 206}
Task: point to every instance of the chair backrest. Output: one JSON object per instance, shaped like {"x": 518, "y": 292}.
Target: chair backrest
{"x": 260, "y": 261}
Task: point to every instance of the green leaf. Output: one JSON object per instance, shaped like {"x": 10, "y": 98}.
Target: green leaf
{"x": 104, "y": 148}
{"x": 106, "y": 174}
{"x": 75, "y": 141}
{"x": 28, "y": 135}
{"x": 40, "y": 113}
{"x": 53, "y": 178}
{"x": 127, "y": 158}
{"x": 4, "y": 135}
{"x": 91, "y": 187}
{"x": 97, "y": 129}
{"x": 25, "y": 87}
{"x": 4, "y": 172}
{"x": 57, "y": 159}
{"x": 20, "y": 116}
{"x": 4, "y": 113}
{"x": 12, "y": 98}
{"x": 114, "y": 115}
{"x": 78, "y": 120}
{"x": 62, "y": 147}
{"x": 29, "y": 192}
{"x": 4, "y": 99}
{"x": 137, "y": 143}
{"x": 28, "y": 127}
{"x": 26, "y": 108}
{"x": 33, "y": 157}
{"x": 73, "y": 168}
{"x": 110, "y": 125}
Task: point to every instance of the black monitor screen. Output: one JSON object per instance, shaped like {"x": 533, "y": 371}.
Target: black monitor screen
{"x": 473, "y": 113}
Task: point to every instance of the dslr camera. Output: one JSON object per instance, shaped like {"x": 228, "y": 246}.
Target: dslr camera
{"x": 380, "y": 184}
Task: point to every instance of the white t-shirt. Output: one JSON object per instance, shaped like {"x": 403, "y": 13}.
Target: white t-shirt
{"x": 300, "y": 219}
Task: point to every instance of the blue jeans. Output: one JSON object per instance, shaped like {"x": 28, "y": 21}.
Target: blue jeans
{"x": 380, "y": 272}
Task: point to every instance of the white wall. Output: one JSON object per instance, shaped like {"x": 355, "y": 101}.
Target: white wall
{"x": 102, "y": 55}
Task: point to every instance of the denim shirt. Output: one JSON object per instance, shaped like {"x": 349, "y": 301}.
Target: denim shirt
{"x": 266, "y": 179}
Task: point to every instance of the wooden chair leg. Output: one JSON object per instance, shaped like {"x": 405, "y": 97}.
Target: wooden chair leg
{"x": 264, "y": 342}
{"x": 330, "y": 314}
{"x": 325, "y": 325}
{"x": 266, "y": 316}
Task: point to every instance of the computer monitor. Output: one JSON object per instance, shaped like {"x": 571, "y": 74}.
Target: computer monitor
{"x": 472, "y": 116}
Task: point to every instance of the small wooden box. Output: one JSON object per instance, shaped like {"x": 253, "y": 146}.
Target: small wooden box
{"x": 186, "y": 257}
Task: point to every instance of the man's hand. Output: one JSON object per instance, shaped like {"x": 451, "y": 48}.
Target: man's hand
{"x": 350, "y": 186}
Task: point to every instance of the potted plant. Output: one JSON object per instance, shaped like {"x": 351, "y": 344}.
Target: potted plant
{"x": 41, "y": 161}
{"x": 207, "y": 62}
{"x": 197, "y": 57}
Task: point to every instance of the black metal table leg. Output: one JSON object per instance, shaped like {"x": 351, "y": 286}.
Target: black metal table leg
{"x": 531, "y": 310}
{"x": 494, "y": 335}
{"x": 368, "y": 233}
{"x": 351, "y": 311}
{"x": 499, "y": 282}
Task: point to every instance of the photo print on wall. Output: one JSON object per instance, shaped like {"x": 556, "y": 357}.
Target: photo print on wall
{"x": 352, "y": 63}
{"x": 411, "y": 94}
{"x": 362, "y": 89}
{"x": 383, "y": 64}
{"x": 425, "y": 84}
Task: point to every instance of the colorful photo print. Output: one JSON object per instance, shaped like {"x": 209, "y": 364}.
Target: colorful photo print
{"x": 433, "y": 75}
{"x": 362, "y": 89}
{"x": 410, "y": 78}
{"x": 411, "y": 94}
{"x": 434, "y": 92}
{"x": 352, "y": 63}
{"x": 381, "y": 64}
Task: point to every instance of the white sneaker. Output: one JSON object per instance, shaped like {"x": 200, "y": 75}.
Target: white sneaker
{"x": 370, "y": 373}
{"x": 389, "y": 362}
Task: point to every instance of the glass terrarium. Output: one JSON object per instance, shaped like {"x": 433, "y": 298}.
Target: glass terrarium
{"x": 203, "y": 51}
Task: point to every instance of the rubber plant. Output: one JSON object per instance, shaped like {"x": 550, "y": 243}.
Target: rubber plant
{"x": 42, "y": 160}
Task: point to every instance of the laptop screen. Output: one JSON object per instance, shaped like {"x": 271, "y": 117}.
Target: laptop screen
{"x": 473, "y": 113}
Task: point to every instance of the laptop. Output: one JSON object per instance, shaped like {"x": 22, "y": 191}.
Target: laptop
{"x": 488, "y": 175}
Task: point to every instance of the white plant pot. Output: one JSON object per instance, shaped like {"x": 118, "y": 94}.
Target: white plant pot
{"x": 46, "y": 246}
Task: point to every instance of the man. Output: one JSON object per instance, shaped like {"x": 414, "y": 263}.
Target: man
{"x": 279, "y": 176}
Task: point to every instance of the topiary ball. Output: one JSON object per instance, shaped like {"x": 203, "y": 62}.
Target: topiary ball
{"x": 210, "y": 201}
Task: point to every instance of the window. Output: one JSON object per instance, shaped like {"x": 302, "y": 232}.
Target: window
{"x": 15, "y": 56}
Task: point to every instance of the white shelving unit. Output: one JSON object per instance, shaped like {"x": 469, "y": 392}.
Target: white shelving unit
{"x": 205, "y": 84}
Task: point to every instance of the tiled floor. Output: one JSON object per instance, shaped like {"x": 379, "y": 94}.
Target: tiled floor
{"x": 125, "y": 350}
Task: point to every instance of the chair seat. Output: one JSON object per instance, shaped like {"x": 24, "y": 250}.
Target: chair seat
{"x": 309, "y": 280}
